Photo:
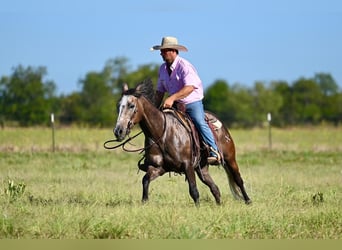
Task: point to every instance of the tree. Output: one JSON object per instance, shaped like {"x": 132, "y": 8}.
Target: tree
{"x": 101, "y": 90}
{"x": 331, "y": 103}
{"x": 71, "y": 110}
{"x": 286, "y": 110}
{"x": 115, "y": 71}
{"x": 25, "y": 97}
{"x": 217, "y": 100}
{"x": 243, "y": 105}
{"x": 97, "y": 99}
{"x": 266, "y": 101}
{"x": 143, "y": 72}
{"x": 332, "y": 109}
{"x": 326, "y": 83}
{"x": 307, "y": 101}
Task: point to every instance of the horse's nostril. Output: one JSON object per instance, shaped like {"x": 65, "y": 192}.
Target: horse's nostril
{"x": 117, "y": 132}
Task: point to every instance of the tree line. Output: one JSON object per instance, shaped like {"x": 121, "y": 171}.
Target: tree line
{"x": 27, "y": 99}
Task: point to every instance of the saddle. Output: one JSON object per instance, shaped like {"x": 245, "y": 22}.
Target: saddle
{"x": 178, "y": 110}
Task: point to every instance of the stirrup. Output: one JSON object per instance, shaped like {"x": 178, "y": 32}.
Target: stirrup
{"x": 215, "y": 152}
{"x": 212, "y": 160}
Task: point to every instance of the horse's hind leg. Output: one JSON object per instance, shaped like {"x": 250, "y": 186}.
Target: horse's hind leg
{"x": 232, "y": 170}
{"x": 151, "y": 174}
{"x": 204, "y": 176}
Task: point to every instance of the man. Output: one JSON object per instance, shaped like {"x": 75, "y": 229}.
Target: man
{"x": 180, "y": 80}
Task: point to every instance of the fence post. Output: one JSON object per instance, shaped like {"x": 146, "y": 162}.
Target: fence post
{"x": 269, "y": 118}
{"x": 53, "y": 131}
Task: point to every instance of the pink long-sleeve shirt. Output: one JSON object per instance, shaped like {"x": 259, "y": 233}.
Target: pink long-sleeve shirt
{"x": 183, "y": 74}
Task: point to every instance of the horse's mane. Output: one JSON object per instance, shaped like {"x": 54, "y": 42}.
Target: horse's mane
{"x": 144, "y": 88}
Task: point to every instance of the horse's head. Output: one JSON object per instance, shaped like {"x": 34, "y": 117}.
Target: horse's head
{"x": 130, "y": 109}
{"x": 127, "y": 113}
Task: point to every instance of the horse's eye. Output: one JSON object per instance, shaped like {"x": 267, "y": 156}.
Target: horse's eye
{"x": 131, "y": 106}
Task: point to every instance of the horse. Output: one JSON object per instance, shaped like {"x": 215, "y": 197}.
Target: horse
{"x": 169, "y": 145}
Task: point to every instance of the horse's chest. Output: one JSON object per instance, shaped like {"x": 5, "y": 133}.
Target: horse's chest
{"x": 168, "y": 159}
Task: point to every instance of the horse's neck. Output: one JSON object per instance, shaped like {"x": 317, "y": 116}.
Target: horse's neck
{"x": 153, "y": 120}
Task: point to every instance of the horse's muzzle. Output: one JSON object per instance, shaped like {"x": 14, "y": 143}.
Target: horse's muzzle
{"x": 119, "y": 133}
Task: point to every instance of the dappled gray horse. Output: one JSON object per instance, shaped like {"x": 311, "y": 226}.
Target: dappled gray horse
{"x": 169, "y": 144}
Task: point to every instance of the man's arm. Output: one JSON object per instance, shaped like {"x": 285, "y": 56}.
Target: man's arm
{"x": 184, "y": 92}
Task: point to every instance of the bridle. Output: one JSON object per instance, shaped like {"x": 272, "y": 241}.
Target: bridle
{"x": 122, "y": 145}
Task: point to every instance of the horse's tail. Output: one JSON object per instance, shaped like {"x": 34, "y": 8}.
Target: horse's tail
{"x": 234, "y": 188}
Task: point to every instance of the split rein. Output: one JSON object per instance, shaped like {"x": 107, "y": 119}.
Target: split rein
{"x": 105, "y": 145}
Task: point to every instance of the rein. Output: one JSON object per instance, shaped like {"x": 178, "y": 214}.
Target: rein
{"x": 123, "y": 144}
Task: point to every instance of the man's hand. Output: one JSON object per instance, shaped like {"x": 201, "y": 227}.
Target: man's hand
{"x": 168, "y": 102}
{"x": 184, "y": 92}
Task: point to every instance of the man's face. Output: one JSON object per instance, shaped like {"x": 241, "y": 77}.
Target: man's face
{"x": 168, "y": 55}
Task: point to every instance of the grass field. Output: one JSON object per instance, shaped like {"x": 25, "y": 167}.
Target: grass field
{"x": 84, "y": 191}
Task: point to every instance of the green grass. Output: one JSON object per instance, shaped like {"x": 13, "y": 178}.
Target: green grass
{"x": 84, "y": 191}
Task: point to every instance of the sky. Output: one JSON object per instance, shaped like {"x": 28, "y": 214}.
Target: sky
{"x": 241, "y": 41}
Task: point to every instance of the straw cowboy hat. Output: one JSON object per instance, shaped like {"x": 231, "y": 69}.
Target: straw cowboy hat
{"x": 169, "y": 42}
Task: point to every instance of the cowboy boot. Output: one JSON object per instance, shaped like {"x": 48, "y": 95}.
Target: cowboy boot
{"x": 214, "y": 157}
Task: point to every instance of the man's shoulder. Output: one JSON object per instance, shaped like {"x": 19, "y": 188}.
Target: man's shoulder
{"x": 182, "y": 59}
{"x": 183, "y": 62}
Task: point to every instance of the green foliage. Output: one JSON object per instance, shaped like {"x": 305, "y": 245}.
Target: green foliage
{"x": 97, "y": 100}
{"x": 14, "y": 191}
{"x": 244, "y": 106}
{"x": 265, "y": 101}
{"x": 326, "y": 83}
{"x": 306, "y": 101}
{"x": 95, "y": 104}
{"x": 218, "y": 99}
{"x": 25, "y": 98}
{"x": 317, "y": 198}
{"x": 28, "y": 100}
{"x": 71, "y": 112}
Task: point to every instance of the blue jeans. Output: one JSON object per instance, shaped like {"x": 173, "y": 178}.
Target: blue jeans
{"x": 196, "y": 112}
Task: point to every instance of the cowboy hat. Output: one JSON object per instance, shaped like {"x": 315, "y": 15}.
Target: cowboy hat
{"x": 169, "y": 42}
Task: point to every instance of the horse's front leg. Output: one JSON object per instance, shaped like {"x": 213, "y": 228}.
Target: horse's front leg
{"x": 190, "y": 175}
{"x": 151, "y": 174}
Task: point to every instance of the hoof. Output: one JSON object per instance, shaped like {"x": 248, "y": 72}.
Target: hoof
{"x": 248, "y": 202}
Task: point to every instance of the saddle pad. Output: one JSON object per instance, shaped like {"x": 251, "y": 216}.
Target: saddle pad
{"x": 217, "y": 124}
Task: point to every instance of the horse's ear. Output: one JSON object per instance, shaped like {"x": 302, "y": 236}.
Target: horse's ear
{"x": 124, "y": 87}
{"x": 142, "y": 85}
{"x": 139, "y": 87}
